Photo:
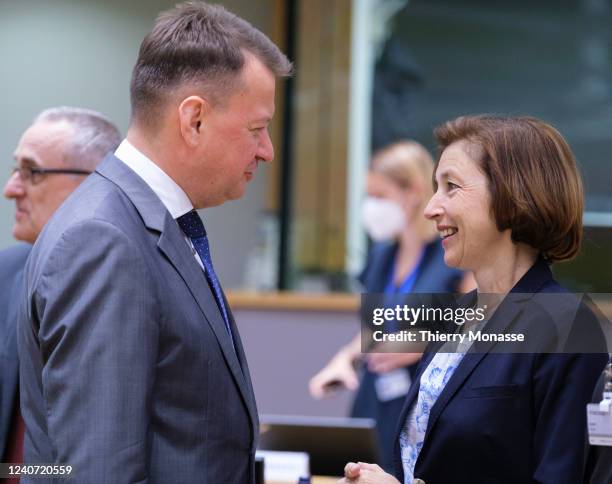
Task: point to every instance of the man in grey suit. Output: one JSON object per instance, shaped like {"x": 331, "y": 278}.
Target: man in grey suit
{"x": 132, "y": 369}
{"x": 54, "y": 154}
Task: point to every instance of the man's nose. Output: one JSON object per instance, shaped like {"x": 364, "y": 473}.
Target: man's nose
{"x": 266, "y": 149}
{"x": 14, "y": 187}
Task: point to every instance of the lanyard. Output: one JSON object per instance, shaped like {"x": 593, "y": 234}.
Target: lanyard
{"x": 392, "y": 294}
{"x": 408, "y": 283}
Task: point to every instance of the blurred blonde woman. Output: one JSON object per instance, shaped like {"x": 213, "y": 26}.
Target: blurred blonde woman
{"x": 406, "y": 256}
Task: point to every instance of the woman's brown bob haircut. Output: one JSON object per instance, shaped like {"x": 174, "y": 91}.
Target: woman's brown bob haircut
{"x": 536, "y": 189}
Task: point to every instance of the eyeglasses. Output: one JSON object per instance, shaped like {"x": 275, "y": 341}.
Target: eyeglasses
{"x": 34, "y": 175}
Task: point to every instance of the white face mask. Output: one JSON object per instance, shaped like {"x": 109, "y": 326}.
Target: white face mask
{"x": 383, "y": 219}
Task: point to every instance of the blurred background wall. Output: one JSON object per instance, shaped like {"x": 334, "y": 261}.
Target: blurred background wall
{"x": 368, "y": 72}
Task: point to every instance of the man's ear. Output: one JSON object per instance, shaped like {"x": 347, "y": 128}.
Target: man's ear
{"x": 192, "y": 111}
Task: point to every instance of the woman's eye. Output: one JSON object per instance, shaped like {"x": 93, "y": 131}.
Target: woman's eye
{"x": 451, "y": 186}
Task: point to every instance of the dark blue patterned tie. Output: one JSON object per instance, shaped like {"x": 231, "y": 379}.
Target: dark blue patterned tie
{"x": 192, "y": 226}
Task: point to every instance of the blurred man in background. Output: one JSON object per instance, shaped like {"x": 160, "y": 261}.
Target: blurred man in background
{"x": 54, "y": 155}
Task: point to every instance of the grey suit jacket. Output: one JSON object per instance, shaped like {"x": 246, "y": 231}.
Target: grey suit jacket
{"x": 12, "y": 262}
{"x": 128, "y": 372}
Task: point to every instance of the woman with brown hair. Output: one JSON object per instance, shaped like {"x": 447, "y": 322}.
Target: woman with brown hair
{"x": 508, "y": 203}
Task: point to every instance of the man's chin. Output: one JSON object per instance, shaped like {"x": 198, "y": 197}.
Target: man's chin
{"x": 238, "y": 192}
{"x": 22, "y": 234}
{"x": 235, "y": 193}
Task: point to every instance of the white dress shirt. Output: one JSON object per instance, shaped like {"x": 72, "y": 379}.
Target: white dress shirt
{"x": 171, "y": 195}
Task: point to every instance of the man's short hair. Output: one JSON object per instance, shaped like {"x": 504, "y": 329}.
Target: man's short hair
{"x": 535, "y": 186}
{"x": 92, "y": 138}
{"x": 197, "y": 43}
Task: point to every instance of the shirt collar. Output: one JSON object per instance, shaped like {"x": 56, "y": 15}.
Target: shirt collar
{"x": 171, "y": 195}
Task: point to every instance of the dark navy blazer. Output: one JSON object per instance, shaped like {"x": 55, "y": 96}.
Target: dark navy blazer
{"x": 509, "y": 418}
{"x": 12, "y": 262}
{"x": 434, "y": 277}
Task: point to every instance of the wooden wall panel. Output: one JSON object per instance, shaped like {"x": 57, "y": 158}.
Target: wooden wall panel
{"x": 321, "y": 123}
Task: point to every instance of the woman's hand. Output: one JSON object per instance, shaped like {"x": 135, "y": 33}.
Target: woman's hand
{"x": 362, "y": 473}
{"x": 338, "y": 373}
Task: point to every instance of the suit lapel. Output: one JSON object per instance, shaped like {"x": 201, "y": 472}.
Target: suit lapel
{"x": 250, "y": 394}
{"x": 172, "y": 244}
{"x": 239, "y": 349}
{"x": 508, "y": 311}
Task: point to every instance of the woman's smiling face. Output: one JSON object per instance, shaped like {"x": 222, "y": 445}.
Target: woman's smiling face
{"x": 461, "y": 208}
